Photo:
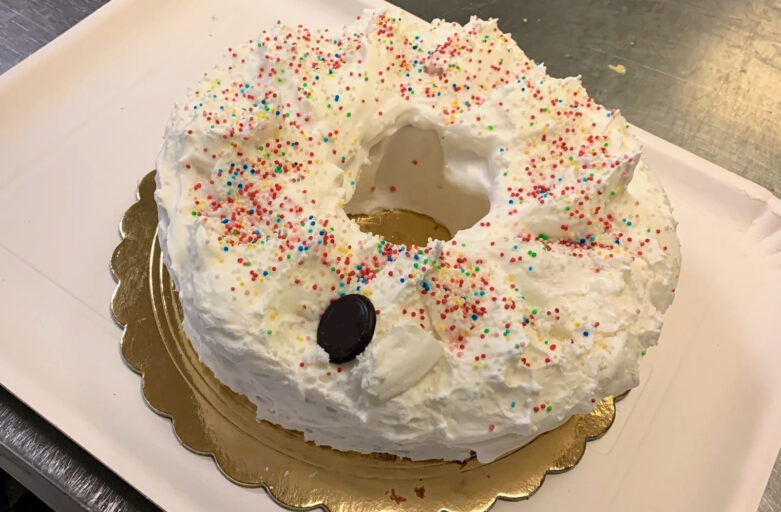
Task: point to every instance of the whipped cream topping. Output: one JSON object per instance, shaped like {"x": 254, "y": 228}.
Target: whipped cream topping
{"x": 563, "y": 258}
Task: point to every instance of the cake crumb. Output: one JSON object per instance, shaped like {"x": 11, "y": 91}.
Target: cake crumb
{"x": 618, "y": 68}
{"x": 395, "y": 497}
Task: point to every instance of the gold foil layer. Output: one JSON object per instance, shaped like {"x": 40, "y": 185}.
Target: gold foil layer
{"x": 402, "y": 226}
{"x": 210, "y": 419}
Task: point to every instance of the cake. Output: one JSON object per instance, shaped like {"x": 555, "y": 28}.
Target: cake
{"x": 563, "y": 255}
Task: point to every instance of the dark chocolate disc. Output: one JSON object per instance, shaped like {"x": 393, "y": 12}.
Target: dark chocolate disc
{"x": 346, "y": 327}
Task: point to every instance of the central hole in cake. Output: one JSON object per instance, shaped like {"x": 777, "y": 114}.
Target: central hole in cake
{"x": 418, "y": 185}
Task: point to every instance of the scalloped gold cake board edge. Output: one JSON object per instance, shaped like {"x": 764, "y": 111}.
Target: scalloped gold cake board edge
{"x": 210, "y": 419}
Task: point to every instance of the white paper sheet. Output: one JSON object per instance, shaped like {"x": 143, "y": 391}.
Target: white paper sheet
{"x": 81, "y": 122}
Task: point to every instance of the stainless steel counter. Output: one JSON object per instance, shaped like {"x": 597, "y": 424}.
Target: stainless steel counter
{"x": 703, "y": 74}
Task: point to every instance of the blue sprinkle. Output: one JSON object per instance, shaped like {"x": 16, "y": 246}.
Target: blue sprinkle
{"x": 225, "y": 221}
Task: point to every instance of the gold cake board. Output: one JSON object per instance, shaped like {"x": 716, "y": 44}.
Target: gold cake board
{"x": 210, "y": 419}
